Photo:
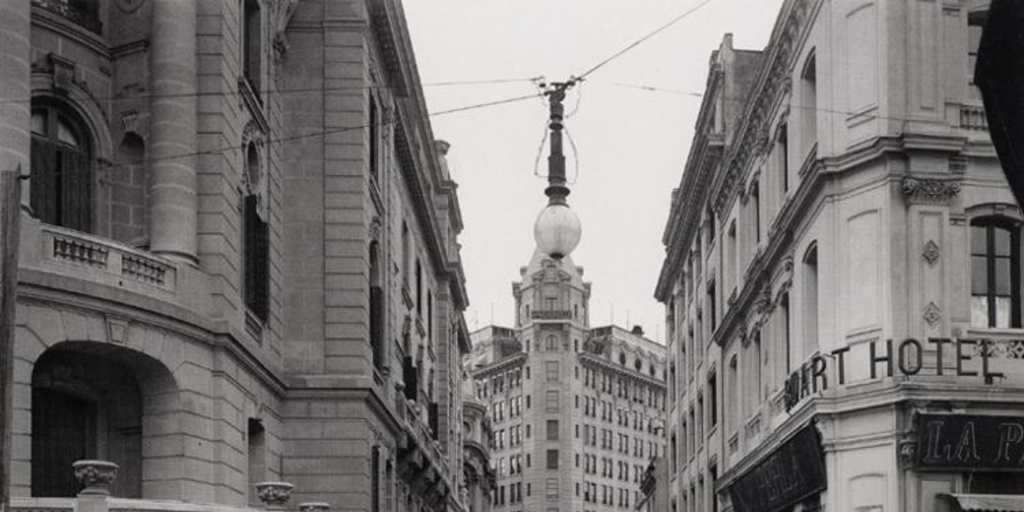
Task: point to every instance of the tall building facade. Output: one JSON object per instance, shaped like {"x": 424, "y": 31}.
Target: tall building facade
{"x": 238, "y": 260}
{"x": 842, "y": 273}
{"x": 577, "y": 411}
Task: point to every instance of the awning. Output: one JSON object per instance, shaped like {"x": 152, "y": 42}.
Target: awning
{"x": 988, "y": 502}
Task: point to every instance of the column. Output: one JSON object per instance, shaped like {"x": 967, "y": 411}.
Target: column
{"x": 173, "y": 130}
{"x": 15, "y": 89}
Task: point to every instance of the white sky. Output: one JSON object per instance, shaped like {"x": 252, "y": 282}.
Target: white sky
{"x": 632, "y": 143}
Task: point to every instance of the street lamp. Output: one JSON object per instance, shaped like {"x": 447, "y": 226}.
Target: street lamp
{"x": 557, "y": 228}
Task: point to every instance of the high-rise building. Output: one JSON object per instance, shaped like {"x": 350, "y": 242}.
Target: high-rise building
{"x": 577, "y": 412}
{"x": 843, "y": 273}
{"x": 239, "y": 259}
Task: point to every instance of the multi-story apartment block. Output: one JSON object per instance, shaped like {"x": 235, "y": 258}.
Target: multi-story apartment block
{"x": 238, "y": 259}
{"x": 843, "y": 271}
{"x": 577, "y": 412}
{"x": 478, "y": 441}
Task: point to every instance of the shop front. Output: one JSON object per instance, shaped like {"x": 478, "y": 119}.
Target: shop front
{"x": 789, "y": 478}
{"x": 980, "y": 456}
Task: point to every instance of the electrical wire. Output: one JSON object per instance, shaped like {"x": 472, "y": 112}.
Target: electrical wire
{"x": 643, "y": 39}
{"x": 299, "y": 90}
{"x": 320, "y": 133}
{"x": 540, "y": 151}
{"x": 575, "y": 156}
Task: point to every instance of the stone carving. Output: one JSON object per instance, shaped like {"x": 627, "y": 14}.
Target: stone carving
{"x": 375, "y": 228}
{"x": 908, "y": 452}
{"x": 129, "y": 6}
{"x": 919, "y": 190}
{"x": 274, "y": 495}
{"x": 314, "y": 507}
{"x": 932, "y": 314}
{"x": 930, "y": 252}
{"x": 130, "y": 120}
{"x": 96, "y": 476}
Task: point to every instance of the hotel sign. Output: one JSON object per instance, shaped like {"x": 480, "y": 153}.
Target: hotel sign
{"x": 958, "y": 441}
{"x": 793, "y": 472}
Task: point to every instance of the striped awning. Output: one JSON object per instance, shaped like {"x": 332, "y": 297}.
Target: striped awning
{"x": 988, "y": 502}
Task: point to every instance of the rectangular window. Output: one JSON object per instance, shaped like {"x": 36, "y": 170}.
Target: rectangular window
{"x": 551, "y": 370}
{"x": 251, "y": 41}
{"x": 711, "y": 306}
{"x": 375, "y": 479}
{"x": 256, "y": 264}
{"x": 374, "y": 135}
{"x": 551, "y": 400}
{"x": 419, "y": 288}
{"x": 552, "y": 430}
{"x": 257, "y": 457}
{"x": 552, "y": 459}
{"x": 712, "y": 401}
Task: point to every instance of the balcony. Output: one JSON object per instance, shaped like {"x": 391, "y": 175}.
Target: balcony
{"x": 972, "y": 117}
{"x": 73, "y": 12}
{"x": 56, "y": 256}
{"x": 551, "y": 315}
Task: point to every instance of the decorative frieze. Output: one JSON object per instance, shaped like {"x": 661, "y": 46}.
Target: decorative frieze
{"x": 932, "y": 314}
{"x": 930, "y": 253}
{"x": 930, "y": 191}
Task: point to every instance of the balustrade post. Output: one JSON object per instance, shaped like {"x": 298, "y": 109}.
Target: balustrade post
{"x": 96, "y": 477}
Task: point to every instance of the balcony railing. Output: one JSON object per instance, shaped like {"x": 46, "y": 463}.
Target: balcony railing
{"x": 551, "y": 315}
{"x": 72, "y": 13}
{"x": 95, "y": 258}
{"x": 972, "y": 117}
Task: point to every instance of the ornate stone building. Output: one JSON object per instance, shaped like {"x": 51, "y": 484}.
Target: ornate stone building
{"x": 842, "y": 279}
{"x": 577, "y": 412}
{"x": 238, "y": 260}
{"x": 478, "y": 441}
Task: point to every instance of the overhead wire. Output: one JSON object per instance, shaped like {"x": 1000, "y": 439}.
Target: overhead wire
{"x": 298, "y": 90}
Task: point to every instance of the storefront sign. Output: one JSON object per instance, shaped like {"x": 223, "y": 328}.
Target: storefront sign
{"x": 906, "y": 358}
{"x": 792, "y": 473}
{"x": 957, "y": 441}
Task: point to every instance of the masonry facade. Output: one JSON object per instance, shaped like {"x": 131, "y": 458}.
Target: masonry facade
{"x": 239, "y": 258}
{"x": 577, "y": 412}
{"x": 842, "y": 271}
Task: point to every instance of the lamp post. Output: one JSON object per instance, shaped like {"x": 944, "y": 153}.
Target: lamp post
{"x": 557, "y": 229}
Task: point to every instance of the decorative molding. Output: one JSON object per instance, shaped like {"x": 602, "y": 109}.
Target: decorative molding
{"x": 130, "y": 120}
{"x": 375, "y": 228}
{"x": 932, "y": 314}
{"x": 908, "y": 452}
{"x": 129, "y": 6}
{"x": 930, "y": 191}
{"x": 930, "y": 253}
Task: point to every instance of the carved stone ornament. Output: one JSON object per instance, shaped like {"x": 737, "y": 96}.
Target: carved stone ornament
{"x": 908, "y": 452}
{"x": 314, "y": 507}
{"x": 130, "y": 120}
{"x": 129, "y": 6}
{"x": 96, "y": 476}
{"x": 63, "y": 70}
{"x": 274, "y": 494}
{"x": 932, "y": 314}
{"x": 375, "y": 228}
{"x": 930, "y": 252}
{"x": 918, "y": 190}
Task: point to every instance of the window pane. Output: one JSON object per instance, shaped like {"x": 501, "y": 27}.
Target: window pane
{"x": 979, "y": 275}
{"x": 66, "y": 134}
{"x": 1002, "y": 311}
{"x": 1002, "y": 238}
{"x": 39, "y": 122}
{"x": 979, "y": 311}
{"x": 979, "y": 243}
{"x": 1002, "y": 276}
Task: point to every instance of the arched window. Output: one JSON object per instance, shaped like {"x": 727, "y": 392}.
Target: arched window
{"x": 62, "y": 181}
{"x": 256, "y": 244}
{"x": 810, "y": 313}
{"x": 551, "y": 343}
{"x": 376, "y": 308}
{"x": 809, "y": 104}
{"x": 995, "y": 273}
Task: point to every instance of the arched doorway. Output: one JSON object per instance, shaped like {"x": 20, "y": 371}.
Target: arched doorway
{"x": 89, "y": 401}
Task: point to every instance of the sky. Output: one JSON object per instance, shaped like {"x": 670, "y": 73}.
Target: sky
{"x": 631, "y": 142}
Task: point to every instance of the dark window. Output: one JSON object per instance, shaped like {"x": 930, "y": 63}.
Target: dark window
{"x": 755, "y": 195}
{"x": 712, "y": 401}
{"x": 61, "y": 183}
{"x": 975, "y": 26}
{"x": 552, "y": 459}
{"x": 711, "y": 306}
{"x": 251, "y": 42}
{"x": 257, "y": 457}
{"x": 376, "y": 308}
{"x": 374, "y": 138}
{"x": 256, "y": 264}
{"x": 419, "y": 288}
{"x": 552, "y": 430}
{"x": 784, "y": 148}
{"x": 995, "y": 273}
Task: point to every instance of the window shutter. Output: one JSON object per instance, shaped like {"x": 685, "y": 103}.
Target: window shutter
{"x": 42, "y": 197}
{"x": 76, "y": 190}
{"x": 376, "y": 325}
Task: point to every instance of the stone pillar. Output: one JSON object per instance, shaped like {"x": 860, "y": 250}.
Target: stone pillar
{"x": 96, "y": 477}
{"x": 172, "y": 227}
{"x": 15, "y": 89}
